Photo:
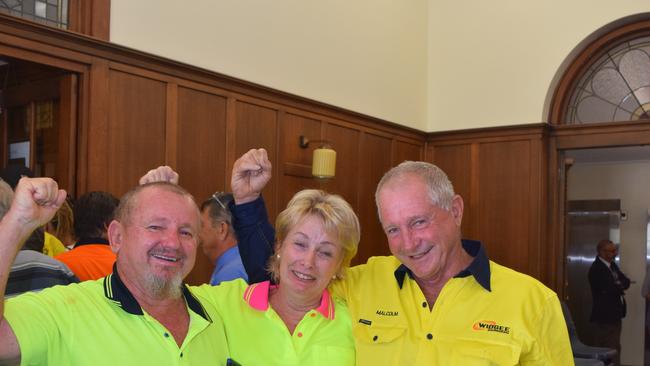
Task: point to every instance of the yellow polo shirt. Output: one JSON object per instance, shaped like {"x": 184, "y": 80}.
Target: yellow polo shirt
{"x": 258, "y": 336}
{"x": 99, "y": 323}
{"x": 487, "y": 315}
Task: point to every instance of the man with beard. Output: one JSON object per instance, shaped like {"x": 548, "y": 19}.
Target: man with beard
{"x": 139, "y": 314}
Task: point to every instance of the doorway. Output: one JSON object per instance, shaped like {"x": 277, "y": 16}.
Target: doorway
{"x": 607, "y": 198}
{"x": 38, "y": 119}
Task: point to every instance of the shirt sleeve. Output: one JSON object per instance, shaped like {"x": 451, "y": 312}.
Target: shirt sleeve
{"x": 255, "y": 237}
{"x": 37, "y": 321}
{"x": 552, "y": 345}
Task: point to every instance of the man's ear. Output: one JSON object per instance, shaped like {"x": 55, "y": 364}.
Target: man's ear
{"x": 457, "y": 207}
{"x": 115, "y": 235}
{"x": 223, "y": 229}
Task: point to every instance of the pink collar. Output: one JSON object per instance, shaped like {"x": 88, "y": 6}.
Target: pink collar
{"x": 257, "y": 296}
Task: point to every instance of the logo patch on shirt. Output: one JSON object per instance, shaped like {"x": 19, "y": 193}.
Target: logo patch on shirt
{"x": 490, "y": 326}
{"x": 387, "y": 313}
{"x": 365, "y": 321}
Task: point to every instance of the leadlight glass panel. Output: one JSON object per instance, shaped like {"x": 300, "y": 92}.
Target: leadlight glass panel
{"x": 50, "y": 12}
{"x": 615, "y": 87}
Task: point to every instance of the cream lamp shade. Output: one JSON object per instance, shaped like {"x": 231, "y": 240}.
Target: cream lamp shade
{"x": 324, "y": 163}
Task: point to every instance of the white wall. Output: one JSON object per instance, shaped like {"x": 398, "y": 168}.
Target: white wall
{"x": 429, "y": 64}
{"x": 368, "y": 56}
{"x": 492, "y": 63}
{"x": 627, "y": 182}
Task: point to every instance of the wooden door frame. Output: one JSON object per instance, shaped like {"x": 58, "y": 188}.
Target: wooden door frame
{"x": 31, "y": 49}
{"x": 565, "y": 137}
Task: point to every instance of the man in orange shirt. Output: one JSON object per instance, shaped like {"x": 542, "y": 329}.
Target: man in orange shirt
{"x": 91, "y": 258}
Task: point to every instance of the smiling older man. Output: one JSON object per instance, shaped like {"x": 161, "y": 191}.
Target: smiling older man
{"x": 438, "y": 300}
{"x": 141, "y": 314}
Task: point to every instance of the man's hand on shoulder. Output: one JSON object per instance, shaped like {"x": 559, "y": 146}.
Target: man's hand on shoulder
{"x": 162, "y": 173}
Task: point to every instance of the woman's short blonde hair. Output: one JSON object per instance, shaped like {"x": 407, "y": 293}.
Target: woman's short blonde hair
{"x": 337, "y": 216}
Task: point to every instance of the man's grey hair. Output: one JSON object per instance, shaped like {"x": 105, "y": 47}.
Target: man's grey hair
{"x": 6, "y": 197}
{"x": 440, "y": 189}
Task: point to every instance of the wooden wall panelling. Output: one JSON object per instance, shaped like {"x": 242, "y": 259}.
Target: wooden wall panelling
{"x": 555, "y": 269}
{"x": 201, "y": 142}
{"x": 294, "y": 163}
{"x": 373, "y": 163}
{"x": 346, "y": 143}
{"x": 538, "y": 210}
{"x": 92, "y": 173}
{"x": 136, "y": 129}
{"x": 456, "y": 161}
{"x": 171, "y": 125}
{"x": 201, "y": 155}
{"x": 90, "y": 17}
{"x": 505, "y": 202}
{"x": 257, "y": 127}
{"x": 405, "y": 150}
{"x": 67, "y": 137}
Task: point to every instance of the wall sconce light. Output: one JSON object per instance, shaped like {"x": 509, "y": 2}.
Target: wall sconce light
{"x": 324, "y": 160}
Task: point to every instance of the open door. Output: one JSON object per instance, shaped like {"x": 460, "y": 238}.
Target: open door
{"x": 39, "y": 114}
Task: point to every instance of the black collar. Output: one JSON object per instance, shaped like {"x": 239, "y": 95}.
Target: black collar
{"x": 479, "y": 268}
{"x": 116, "y": 290}
{"x": 85, "y": 241}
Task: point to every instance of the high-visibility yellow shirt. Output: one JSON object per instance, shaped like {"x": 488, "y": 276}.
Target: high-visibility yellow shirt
{"x": 52, "y": 246}
{"x": 100, "y": 323}
{"x": 258, "y": 336}
{"x": 487, "y": 315}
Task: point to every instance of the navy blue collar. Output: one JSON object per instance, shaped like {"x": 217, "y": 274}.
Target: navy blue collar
{"x": 85, "y": 241}
{"x": 479, "y": 268}
{"x": 116, "y": 290}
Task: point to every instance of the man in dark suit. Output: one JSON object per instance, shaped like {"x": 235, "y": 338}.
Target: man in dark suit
{"x": 607, "y": 291}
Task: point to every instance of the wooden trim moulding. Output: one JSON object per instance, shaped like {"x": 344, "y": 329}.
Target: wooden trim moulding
{"x": 500, "y": 133}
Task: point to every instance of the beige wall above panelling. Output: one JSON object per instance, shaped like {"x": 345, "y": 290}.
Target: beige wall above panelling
{"x": 493, "y": 63}
{"x": 368, "y": 56}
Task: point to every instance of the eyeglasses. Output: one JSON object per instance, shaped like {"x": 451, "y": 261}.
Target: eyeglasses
{"x": 222, "y": 198}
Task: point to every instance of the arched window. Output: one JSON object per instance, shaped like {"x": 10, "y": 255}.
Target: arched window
{"x": 609, "y": 81}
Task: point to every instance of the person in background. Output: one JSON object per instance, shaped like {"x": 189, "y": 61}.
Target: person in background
{"x": 438, "y": 300}
{"x": 62, "y": 224}
{"x": 92, "y": 257}
{"x": 218, "y": 239}
{"x": 141, "y": 314}
{"x": 32, "y": 270}
{"x": 608, "y": 285}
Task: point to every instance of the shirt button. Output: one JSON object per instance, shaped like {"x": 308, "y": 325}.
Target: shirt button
{"x": 429, "y": 336}
{"x": 166, "y": 335}
{"x": 299, "y": 334}
{"x": 424, "y": 304}
{"x": 375, "y": 338}
{"x": 313, "y": 315}
{"x": 181, "y": 354}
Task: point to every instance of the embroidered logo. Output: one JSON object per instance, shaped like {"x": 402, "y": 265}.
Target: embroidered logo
{"x": 490, "y": 326}
{"x": 365, "y": 321}
{"x": 387, "y": 313}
